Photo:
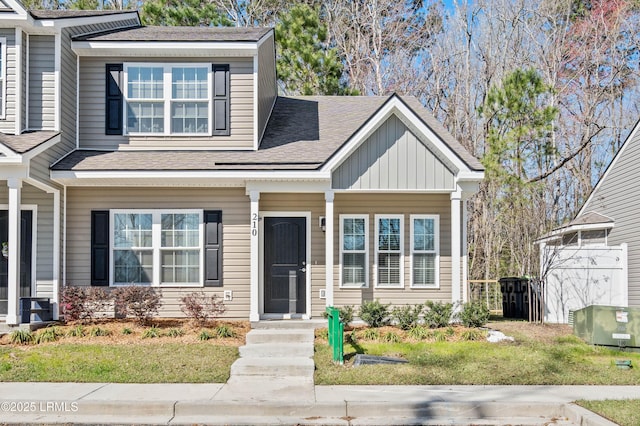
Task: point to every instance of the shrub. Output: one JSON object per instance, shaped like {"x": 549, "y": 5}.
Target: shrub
{"x": 175, "y": 332}
{"x": 374, "y": 313}
{"x": 391, "y": 337}
{"x": 371, "y": 334}
{"x": 126, "y": 331}
{"x": 151, "y": 333}
{"x": 98, "y": 332}
{"x": 201, "y": 307}
{"x": 205, "y": 335}
{"x": 225, "y": 331}
{"x": 346, "y": 314}
{"x": 474, "y": 314}
{"x": 138, "y": 301}
{"x": 420, "y": 333}
{"x": 77, "y": 331}
{"x": 438, "y": 314}
{"x": 440, "y": 336}
{"x": 473, "y": 335}
{"x": 21, "y": 337}
{"x": 351, "y": 338}
{"x": 83, "y": 303}
{"x": 49, "y": 334}
{"x": 406, "y": 317}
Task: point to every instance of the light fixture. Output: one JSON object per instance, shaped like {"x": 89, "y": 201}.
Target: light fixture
{"x": 322, "y": 222}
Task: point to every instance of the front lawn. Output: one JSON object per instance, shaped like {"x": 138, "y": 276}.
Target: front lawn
{"x": 540, "y": 355}
{"x": 621, "y": 412}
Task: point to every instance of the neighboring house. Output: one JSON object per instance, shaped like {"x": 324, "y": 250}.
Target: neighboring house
{"x": 163, "y": 156}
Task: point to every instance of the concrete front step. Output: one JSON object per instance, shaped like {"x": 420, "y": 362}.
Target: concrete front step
{"x": 293, "y": 324}
{"x": 273, "y": 367}
{"x": 268, "y": 350}
{"x": 280, "y": 336}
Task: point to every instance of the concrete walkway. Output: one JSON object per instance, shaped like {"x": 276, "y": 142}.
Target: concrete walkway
{"x": 272, "y": 383}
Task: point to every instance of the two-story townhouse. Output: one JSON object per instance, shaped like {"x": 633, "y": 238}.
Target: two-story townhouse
{"x": 170, "y": 161}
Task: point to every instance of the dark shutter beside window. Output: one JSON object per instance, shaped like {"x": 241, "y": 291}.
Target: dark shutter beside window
{"x": 113, "y": 106}
{"x": 213, "y": 248}
{"x": 221, "y": 100}
{"x": 100, "y": 248}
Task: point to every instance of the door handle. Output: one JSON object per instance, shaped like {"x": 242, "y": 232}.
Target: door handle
{"x": 303, "y": 269}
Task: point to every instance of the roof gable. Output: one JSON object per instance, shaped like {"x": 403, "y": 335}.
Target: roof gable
{"x": 12, "y": 9}
{"x": 393, "y": 158}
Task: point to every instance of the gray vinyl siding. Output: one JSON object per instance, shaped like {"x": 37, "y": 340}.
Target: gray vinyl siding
{"x": 92, "y": 108}
{"x": 44, "y": 241}
{"x": 405, "y": 204}
{"x": 25, "y": 58}
{"x": 42, "y": 96}
{"x": 236, "y": 245}
{"x": 303, "y": 203}
{"x": 393, "y": 158}
{"x": 266, "y": 82}
{"x": 618, "y": 196}
{"x": 7, "y": 125}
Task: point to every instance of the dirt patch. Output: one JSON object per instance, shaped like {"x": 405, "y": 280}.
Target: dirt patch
{"x": 545, "y": 333}
{"x": 127, "y": 332}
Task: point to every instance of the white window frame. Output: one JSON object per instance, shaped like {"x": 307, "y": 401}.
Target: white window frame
{"x": 377, "y": 250}
{"x": 167, "y": 96}
{"x": 156, "y": 238}
{"x": 365, "y": 251}
{"x": 3, "y": 77}
{"x": 436, "y": 250}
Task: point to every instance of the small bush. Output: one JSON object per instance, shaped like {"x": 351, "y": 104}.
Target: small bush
{"x": 322, "y": 333}
{"x": 438, "y": 314}
{"x": 205, "y": 335}
{"x": 21, "y": 337}
{"x": 450, "y": 331}
{"x": 127, "y": 331}
{"x": 201, "y": 307}
{"x": 49, "y": 334}
{"x": 473, "y": 335}
{"x": 391, "y": 337}
{"x": 151, "y": 333}
{"x": 351, "y": 338}
{"x": 77, "y": 331}
{"x": 138, "y": 301}
{"x": 371, "y": 334}
{"x": 406, "y": 317}
{"x": 374, "y": 313}
{"x": 83, "y": 303}
{"x": 99, "y": 332}
{"x": 420, "y": 333}
{"x": 474, "y": 314}
{"x": 224, "y": 331}
{"x": 175, "y": 332}
{"x": 440, "y": 336}
{"x": 346, "y": 314}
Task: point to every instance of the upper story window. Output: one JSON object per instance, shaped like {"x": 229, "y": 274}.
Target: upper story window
{"x": 167, "y": 99}
{"x": 3, "y": 75}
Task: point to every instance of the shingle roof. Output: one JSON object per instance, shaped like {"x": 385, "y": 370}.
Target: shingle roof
{"x": 26, "y": 141}
{"x": 302, "y": 134}
{"x": 590, "y": 218}
{"x": 65, "y": 14}
{"x": 159, "y": 33}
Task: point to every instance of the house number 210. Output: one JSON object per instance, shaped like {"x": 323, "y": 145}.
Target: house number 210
{"x": 254, "y": 225}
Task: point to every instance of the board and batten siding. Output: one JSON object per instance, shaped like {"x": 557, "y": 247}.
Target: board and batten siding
{"x": 267, "y": 90}
{"x": 236, "y": 245}
{"x": 92, "y": 108}
{"x": 44, "y": 240}
{"x": 7, "y": 125}
{"x": 314, "y": 203}
{"x": 68, "y": 68}
{"x": 406, "y": 205}
{"x": 42, "y": 96}
{"x": 393, "y": 158}
{"x": 617, "y": 197}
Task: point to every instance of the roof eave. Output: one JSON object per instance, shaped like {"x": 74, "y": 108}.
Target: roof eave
{"x": 164, "y": 48}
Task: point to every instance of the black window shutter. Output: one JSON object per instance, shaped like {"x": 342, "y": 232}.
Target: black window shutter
{"x": 213, "y": 248}
{"x": 221, "y": 102}
{"x": 113, "y": 105}
{"x": 100, "y": 248}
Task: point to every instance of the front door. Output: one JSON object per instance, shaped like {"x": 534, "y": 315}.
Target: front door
{"x": 285, "y": 254}
{"x": 25, "y": 257}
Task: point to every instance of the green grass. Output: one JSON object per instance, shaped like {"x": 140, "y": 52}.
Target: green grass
{"x": 161, "y": 363}
{"x": 622, "y": 412}
{"x": 563, "y": 362}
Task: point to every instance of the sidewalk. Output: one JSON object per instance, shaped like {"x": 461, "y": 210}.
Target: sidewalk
{"x": 339, "y": 405}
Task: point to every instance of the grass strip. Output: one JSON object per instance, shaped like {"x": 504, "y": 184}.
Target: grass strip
{"x": 624, "y": 412}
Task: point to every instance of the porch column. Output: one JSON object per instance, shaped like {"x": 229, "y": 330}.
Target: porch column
{"x": 455, "y": 245}
{"x": 13, "y": 259}
{"x": 465, "y": 253}
{"x": 56, "y": 255}
{"x": 254, "y": 312}
{"x": 328, "y": 250}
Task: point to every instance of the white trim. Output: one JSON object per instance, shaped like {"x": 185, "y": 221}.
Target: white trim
{"x": 377, "y": 251}
{"x": 129, "y": 175}
{"x": 288, "y": 186}
{"x": 164, "y": 48}
{"x": 256, "y": 140}
{"x": 465, "y": 250}
{"x": 56, "y": 254}
{"x": 18, "y": 8}
{"x": 611, "y": 166}
{"x": 64, "y": 237}
{"x": 456, "y": 278}
{"x": 307, "y": 216}
{"x": 365, "y": 251}
{"x": 3, "y": 75}
{"x": 60, "y": 23}
{"x": 156, "y": 247}
{"x": 254, "y": 254}
{"x": 394, "y": 105}
{"x": 78, "y": 118}
{"x": 558, "y": 233}
{"x": 329, "y": 198}
{"x": 57, "y": 58}
{"x": 42, "y": 147}
{"x": 436, "y": 250}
